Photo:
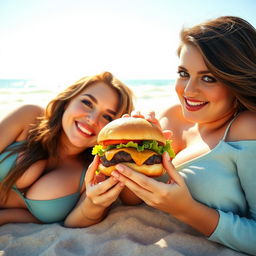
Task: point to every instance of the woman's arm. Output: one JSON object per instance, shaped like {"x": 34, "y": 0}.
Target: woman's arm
{"x": 129, "y": 198}
{"x": 95, "y": 201}
{"x": 16, "y": 215}
{"x": 85, "y": 214}
{"x": 228, "y": 228}
{"x": 15, "y": 126}
{"x": 238, "y": 232}
{"x": 173, "y": 198}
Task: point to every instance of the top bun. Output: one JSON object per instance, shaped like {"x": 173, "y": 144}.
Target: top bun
{"x": 130, "y": 128}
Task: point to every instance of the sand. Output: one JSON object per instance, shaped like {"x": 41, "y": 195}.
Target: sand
{"x": 127, "y": 230}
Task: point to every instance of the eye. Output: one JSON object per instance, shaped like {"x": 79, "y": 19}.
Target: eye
{"x": 209, "y": 79}
{"x": 182, "y": 73}
{"x": 87, "y": 103}
{"x": 108, "y": 117}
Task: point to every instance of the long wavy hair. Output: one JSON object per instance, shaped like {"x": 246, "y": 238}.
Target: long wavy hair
{"x": 43, "y": 138}
{"x": 228, "y": 46}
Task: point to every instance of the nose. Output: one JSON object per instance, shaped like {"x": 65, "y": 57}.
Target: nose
{"x": 93, "y": 118}
{"x": 191, "y": 87}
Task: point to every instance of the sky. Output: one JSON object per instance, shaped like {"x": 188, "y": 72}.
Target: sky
{"x": 61, "y": 40}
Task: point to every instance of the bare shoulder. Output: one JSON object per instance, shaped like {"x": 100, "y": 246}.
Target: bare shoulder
{"x": 29, "y": 115}
{"x": 26, "y": 115}
{"x": 14, "y": 126}
{"x": 244, "y": 127}
{"x": 24, "y": 112}
{"x": 172, "y": 117}
{"x": 31, "y": 110}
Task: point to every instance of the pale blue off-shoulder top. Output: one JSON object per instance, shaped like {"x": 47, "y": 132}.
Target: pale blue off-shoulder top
{"x": 225, "y": 179}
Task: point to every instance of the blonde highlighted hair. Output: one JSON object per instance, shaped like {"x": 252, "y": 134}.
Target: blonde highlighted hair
{"x": 43, "y": 138}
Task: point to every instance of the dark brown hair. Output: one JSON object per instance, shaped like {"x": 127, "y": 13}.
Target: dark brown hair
{"x": 43, "y": 138}
{"x": 228, "y": 46}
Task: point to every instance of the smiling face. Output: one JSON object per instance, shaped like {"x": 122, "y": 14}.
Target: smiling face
{"x": 87, "y": 114}
{"x": 203, "y": 98}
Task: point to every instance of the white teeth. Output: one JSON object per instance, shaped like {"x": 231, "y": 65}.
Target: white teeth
{"x": 193, "y": 103}
{"x": 84, "y": 129}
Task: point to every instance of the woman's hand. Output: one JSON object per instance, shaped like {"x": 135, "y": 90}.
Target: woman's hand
{"x": 99, "y": 195}
{"x": 101, "y": 191}
{"x": 173, "y": 197}
{"x": 150, "y": 116}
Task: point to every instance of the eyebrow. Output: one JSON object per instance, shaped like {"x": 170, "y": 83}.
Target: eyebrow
{"x": 200, "y": 72}
{"x": 96, "y": 102}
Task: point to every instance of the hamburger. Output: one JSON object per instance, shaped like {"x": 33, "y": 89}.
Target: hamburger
{"x": 134, "y": 142}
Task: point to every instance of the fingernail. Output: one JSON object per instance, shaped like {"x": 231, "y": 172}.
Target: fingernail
{"x": 115, "y": 174}
{"x": 167, "y": 155}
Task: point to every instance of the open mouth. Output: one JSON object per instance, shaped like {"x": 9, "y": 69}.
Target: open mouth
{"x": 84, "y": 129}
{"x": 194, "y": 105}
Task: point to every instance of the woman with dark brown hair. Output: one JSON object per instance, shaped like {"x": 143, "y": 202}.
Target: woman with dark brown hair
{"x": 44, "y": 154}
{"x": 213, "y": 176}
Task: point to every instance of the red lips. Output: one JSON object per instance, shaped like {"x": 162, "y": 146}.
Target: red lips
{"x": 194, "y": 105}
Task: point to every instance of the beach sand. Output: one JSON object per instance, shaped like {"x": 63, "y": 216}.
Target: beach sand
{"x": 127, "y": 230}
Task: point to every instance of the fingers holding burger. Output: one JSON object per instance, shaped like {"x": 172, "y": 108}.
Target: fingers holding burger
{"x": 134, "y": 142}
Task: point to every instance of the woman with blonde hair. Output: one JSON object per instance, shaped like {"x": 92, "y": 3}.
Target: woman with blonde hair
{"x": 44, "y": 154}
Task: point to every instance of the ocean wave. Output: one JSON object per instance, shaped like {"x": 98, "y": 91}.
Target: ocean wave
{"x": 146, "y": 91}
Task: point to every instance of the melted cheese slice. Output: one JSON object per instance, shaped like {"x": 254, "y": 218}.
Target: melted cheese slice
{"x": 138, "y": 157}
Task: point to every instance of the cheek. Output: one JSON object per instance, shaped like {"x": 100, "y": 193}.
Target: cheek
{"x": 229, "y": 102}
{"x": 74, "y": 110}
{"x": 179, "y": 88}
{"x": 69, "y": 114}
{"x": 220, "y": 96}
{"x": 64, "y": 118}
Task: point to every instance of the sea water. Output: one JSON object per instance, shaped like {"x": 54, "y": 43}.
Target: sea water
{"x": 150, "y": 95}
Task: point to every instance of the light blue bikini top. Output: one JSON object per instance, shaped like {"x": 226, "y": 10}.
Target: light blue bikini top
{"x": 47, "y": 211}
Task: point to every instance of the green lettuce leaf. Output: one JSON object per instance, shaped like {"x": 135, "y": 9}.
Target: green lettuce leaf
{"x": 148, "y": 144}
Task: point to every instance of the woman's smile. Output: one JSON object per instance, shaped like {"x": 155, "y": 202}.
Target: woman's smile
{"x": 194, "y": 105}
{"x": 204, "y": 98}
{"x": 85, "y": 129}
{"x": 87, "y": 113}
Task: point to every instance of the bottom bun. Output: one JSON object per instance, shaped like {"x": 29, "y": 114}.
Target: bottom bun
{"x": 154, "y": 170}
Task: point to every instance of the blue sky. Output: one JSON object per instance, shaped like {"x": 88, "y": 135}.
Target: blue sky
{"x": 67, "y": 39}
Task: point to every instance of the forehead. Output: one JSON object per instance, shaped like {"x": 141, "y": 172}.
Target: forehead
{"x": 191, "y": 56}
{"x": 99, "y": 89}
{"x": 104, "y": 94}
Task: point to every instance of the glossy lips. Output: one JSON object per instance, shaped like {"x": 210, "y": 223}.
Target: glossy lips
{"x": 194, "y": 105}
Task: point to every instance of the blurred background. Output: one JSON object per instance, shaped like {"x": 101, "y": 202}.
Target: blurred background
{"x": 46, "y": 45}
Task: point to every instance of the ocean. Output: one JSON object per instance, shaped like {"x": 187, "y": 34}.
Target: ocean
{"x": 154, "y": 94}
